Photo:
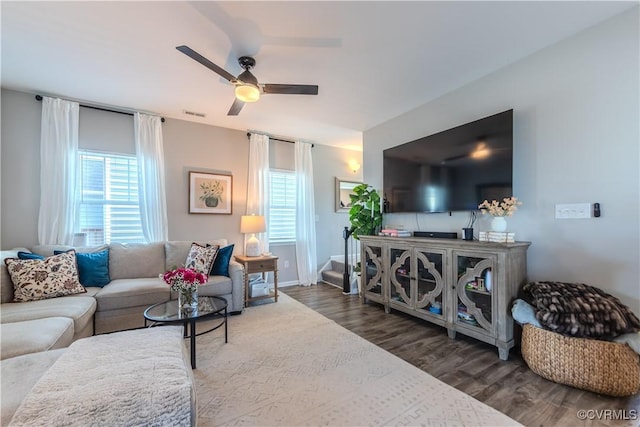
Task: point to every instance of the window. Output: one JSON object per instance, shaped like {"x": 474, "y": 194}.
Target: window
{"x": 109, "y": 208}
{"x": 282, "y": 206}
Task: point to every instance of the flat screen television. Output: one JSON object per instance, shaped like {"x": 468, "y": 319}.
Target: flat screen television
{"x": 453, "y": 170}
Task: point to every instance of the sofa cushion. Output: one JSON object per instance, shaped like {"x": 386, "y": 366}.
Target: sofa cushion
{"x": 201, "y": 258}
{"x": 216, "y": 286}
{"x": 29, "y": 255}
{"x": 48, "y": 250}
{"x": 123, "y": 293}
{"x": 177, "y": 251}
{"x": 33, "y": 336}
{"x": 80, "y": 308}
{"x": 6, "y": 285}
{"x": 221, "y": 263}
{"x": 35, "y": 279}
{"x": 136, "y": 260}
{"x": 19, "y": 375}
{"x": 93, "y": 267}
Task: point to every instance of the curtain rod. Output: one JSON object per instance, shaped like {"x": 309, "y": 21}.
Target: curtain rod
{"x": 39, "y": 98}
{"x": 277, "y": 139}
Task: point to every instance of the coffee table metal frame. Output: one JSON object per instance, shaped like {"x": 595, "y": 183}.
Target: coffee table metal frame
{"x": 188, "y": 321}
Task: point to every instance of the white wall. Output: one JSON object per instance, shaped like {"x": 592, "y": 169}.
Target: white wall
{"x": 188, "y": 147}
{"x": 20, "y": 145}
{"x": 576, "y": 139}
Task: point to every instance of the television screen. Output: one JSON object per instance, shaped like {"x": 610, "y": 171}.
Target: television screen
{"x": 453, "y": 170}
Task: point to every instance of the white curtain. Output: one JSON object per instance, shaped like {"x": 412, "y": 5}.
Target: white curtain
{"x": 305, "y": 217}
{"x": 151, "y": 191}
{"x": 59, "y": 175}
{"x": 258, "y": 183}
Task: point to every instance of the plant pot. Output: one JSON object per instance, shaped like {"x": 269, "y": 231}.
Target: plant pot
{"x": 211, "y": 202}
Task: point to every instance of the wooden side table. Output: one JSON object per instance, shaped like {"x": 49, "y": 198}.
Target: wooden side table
{"x": 259, "y": 264}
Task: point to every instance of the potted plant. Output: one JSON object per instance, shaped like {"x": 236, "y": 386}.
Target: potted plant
{"x": 211, "y": 193}
{"x": 365, "y": 214}
{"x": 365, "y": 217}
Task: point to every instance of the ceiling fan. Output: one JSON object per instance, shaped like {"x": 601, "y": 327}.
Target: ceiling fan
{"x": 247, "y": 88}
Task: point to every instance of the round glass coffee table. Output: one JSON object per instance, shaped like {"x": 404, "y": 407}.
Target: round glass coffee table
{"x": 208, "y": 308}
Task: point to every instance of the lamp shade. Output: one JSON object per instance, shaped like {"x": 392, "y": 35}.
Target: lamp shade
{"x": 252, "y": 224}
{"x": 247, "y": 93}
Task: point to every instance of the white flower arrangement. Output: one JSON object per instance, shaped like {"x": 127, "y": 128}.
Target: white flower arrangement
{"x": 212, "y": 189}
{"x": 507, "y": 207}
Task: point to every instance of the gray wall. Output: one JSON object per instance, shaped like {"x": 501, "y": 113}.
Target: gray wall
{"x": 576, "y": 139}
{"x": 188, "y": 147}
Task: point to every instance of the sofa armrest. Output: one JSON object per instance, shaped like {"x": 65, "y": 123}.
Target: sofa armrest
{"x": 236, "y": 272}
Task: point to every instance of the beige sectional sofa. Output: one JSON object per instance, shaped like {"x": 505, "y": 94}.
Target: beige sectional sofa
{"x": 134, "y": 270}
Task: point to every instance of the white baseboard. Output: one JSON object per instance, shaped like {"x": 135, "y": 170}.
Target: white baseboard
{"x": 289, "y": 283}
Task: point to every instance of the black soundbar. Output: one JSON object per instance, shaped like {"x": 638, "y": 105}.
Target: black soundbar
{"x": 436, "y": 234}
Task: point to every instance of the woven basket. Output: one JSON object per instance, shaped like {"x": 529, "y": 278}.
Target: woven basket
{"x": 603, "y": 367}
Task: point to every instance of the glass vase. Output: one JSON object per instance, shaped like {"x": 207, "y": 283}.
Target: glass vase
{"x": 188, "y": 301}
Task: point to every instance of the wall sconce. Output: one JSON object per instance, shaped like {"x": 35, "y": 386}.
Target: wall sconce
{"x": 354, "y": 166}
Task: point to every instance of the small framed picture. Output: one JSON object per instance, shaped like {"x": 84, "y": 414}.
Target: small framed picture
{"x": 480, "y": 282}
{"x": 210, "y": 193}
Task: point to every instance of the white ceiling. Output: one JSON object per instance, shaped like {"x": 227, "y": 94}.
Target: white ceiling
{"x": 372, "y": 60}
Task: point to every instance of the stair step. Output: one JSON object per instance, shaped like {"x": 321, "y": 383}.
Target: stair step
{"x": 337, "y": 266}
{"x": 334, "y": 277}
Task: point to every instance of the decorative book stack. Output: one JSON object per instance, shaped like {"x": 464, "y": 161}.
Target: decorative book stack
{"x": 395, "y": 233}
{"x": 496, "y": 236}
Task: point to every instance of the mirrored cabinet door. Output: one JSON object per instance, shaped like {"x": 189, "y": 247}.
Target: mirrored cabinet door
{"x": 371, "y": 272}
{"x": 475, "y": 300}
{"x": 429, "y": 282}
{"x": 400, "y": 276}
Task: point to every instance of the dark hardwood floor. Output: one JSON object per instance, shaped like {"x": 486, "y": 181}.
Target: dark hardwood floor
{"x": 468, "y": 365}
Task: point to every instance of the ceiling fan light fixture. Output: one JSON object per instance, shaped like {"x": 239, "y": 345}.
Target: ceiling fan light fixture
{"x": 247, "y": 93}
{"x": 481, "y": 151}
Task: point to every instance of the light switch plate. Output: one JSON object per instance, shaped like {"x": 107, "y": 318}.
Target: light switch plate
{"x": 573, "y": 211}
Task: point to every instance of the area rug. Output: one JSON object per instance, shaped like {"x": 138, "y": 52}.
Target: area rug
{"x": 286, "y": 365}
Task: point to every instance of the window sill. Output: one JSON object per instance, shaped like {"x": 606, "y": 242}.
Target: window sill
{"x": 291, "y": 243}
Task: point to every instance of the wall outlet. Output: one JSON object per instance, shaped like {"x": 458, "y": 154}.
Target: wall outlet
{"x": 573, "y": 211}
{"x": 286, "y": 263}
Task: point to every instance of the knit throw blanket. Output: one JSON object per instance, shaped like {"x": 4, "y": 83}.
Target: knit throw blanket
{"x": 579, "y": 310}
{"x": 123, "y": 379}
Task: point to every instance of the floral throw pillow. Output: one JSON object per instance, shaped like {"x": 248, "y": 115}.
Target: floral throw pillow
{"x": 201, "y": 258}
{"x": 35, "y": 279}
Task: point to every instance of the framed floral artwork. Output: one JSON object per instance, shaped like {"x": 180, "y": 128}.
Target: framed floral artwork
{"x": 210, "y": 193}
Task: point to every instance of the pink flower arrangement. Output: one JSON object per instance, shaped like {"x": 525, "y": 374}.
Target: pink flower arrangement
{"x": 184, "y": 279}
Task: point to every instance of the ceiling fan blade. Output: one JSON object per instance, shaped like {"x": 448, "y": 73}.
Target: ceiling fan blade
{"x": 235, "y": 107}
{"x": 204, "y": 61}
{"x": 291, "y": 89}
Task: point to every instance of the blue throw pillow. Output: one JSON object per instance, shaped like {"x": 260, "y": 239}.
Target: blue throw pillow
{"x": 221, "y": 264}
{"x": 93, "y": 267}
{"x": 28, "y": 255}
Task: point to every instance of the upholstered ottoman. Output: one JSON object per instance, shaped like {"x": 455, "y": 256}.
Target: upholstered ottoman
{"x": 32, "y": 336}
{"x": 138, "y": 377}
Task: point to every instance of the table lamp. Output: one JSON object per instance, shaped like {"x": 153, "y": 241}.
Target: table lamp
{"x": 252, "y": 224}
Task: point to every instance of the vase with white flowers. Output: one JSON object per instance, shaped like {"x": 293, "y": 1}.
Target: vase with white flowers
{"x": 499, "y": 210}
{"x": 211, "y": 192}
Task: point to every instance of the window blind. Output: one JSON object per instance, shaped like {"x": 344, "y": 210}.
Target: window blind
{"x": 282, "y": 206}
{"x": 109, "y": 208}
